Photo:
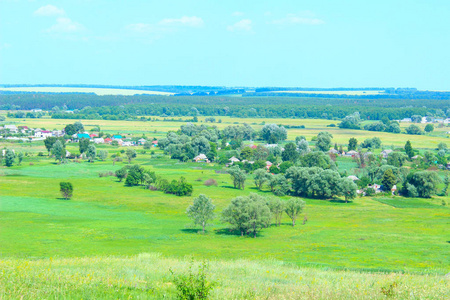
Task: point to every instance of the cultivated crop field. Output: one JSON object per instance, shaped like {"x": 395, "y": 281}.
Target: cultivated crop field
{"x": 312, "y": 128}
{"x": 98, "y": 91}
{"x": 111, "y": 240}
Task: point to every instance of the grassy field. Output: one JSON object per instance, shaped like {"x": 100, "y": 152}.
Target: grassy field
{"x": 92, "y": 245}
{"x": 312, "y": 128}
{"x": 147, "y": 276}
{"x": 98, "y": 91}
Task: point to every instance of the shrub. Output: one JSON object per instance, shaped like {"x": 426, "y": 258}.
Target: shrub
{"x": 193, "y": 285}
{"x": 210, "y": 182}
{"x": 370, "y": 192}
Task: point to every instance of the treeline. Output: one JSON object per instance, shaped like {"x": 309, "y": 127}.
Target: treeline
{"x": 86, "y": 106}
{"x": 388, "y": 93}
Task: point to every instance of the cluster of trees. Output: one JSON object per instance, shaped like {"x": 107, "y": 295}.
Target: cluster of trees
{"x": 138, "y": 176}
{"x": 385, "y": 125}
{"x": 390, "y": 171}
{"x": 191, "y": 140}
{"x": 246, "y": 214}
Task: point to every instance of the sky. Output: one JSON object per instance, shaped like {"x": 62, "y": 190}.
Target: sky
{"x": 254, "y": 43}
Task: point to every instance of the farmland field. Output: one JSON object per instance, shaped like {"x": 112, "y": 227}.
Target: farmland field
{"x": 98, "y": 91}
{"x": 312, "y": 128}
{"x": 139, "y": 234}
{"x": 353, "y": 93}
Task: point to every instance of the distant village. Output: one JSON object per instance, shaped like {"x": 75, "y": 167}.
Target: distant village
{"x": 26, "y": 134}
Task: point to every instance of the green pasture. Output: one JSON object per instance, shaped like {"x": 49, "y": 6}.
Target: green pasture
{"x": 107, "y": 218}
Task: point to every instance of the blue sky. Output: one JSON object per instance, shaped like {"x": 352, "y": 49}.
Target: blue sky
{"x": 225, "y": 42}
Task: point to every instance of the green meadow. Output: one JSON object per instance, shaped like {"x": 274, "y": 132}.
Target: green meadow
{"x": 113, "y": 241}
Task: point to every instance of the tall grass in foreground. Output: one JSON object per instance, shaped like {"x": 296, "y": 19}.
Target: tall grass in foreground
{"x": 148, "y": 276}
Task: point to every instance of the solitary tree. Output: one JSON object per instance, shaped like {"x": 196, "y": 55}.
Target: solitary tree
{"x": 446, "y": 184}
{"x": 293, "y": 208}
{"x": 91, "y": 152}
{"x": 20, "y": 157}
{"x": 238, "y": 176}
{"x": 48, "y": 142}
{"x": 66, "y": 189}
{"x": 58, "y": 151}
{"x": 121, "y": 174}
{"x": 102, "y": 154}
{"x": 201, "y": 211}
{"x": 276, "y": 207}
{"x": 10, "y": 157}
{"x": 290, "y": 152}
{"x": 131, "y": 153}
{"x": 429, "y": 128}
{"x": 83, "y": 145}
{"x": 348, "y": 189}
{"x": 323, "y": 142}
{"x": 388, "y": 180}
{"x": 352, "y": 144}
{"x": 260, "y": 177}
{"x": 409, "y": 149}
{"x": 247, "y": 214}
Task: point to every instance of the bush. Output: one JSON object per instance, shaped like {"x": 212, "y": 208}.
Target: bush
{"x": 210, "y": 182}
{"x": 193, "y": 285}
{"x": 370, "y": 192}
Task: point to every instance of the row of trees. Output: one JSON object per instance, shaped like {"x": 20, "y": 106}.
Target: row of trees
{"x": 246, "y": 214}
{"x": 138, "y": 176}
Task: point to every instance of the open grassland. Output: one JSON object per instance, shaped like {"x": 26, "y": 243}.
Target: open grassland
{"x": 147, "y": 276}
{"x": 98, "y": 91}
{"x": 106, "y": 218}
{"x": 312, "y": 128}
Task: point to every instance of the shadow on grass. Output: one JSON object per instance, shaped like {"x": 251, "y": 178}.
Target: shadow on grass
{"x": 340, "y": 201}
{"x": 229, "y": 187}
{"x": 237, "y": 233}
{"x": 63, "y": 199}
{"x": 191, "y": 230}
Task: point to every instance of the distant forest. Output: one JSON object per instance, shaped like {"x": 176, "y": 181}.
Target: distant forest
{"x": 90, "y": 106}
{"x": 391, "y": 93}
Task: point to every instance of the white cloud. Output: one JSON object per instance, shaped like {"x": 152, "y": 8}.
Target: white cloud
{"x": 242, "y": 25}
{"x": 49, "y": 11}
{"x": 303, "y": 19}
{"x": 140, "y": 27}
{"x": 183, "y": 21}
{"x": 237, "y": 14}
{"x": 65, "y": 25}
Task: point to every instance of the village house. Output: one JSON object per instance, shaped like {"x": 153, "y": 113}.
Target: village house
{"x": 351, "y": 153}
{"x": 333, "y": 151}
{"x": 141, "y": 141}
{"x": 386, "y": 153}
{"x": 11, "y": 128}
{"x": 233, "y": 160}
{"x": 99, "y": 140}
{"x": 201, "y": 158}
{"x": 43, "y": 133}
